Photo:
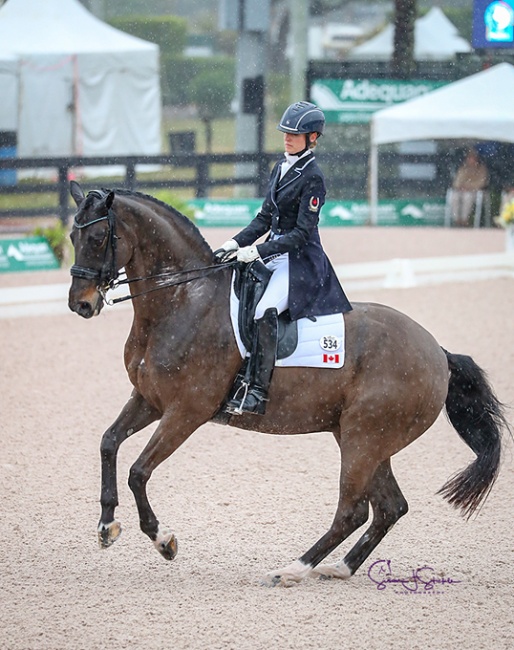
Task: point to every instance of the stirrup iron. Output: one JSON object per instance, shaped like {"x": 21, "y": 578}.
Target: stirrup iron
{"x": 239, "y": 409}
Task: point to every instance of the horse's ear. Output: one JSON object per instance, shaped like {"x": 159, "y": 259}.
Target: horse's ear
{"x": 76, "y": 192}
{"x": 109, "y": 199}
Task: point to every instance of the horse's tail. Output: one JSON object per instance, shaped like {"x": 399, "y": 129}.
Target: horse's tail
{"x": 478, "y": 417}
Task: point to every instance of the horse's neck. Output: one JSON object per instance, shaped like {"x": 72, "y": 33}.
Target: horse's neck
{"x": 162, "y": 245}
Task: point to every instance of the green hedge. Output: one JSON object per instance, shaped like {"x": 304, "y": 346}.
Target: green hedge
{"x": 168, "y": 32}
{"x": 178, "y": 72}
{"x": 178, "y": 75}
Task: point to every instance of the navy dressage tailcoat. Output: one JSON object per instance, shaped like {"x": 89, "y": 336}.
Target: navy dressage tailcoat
{"x": 291, "y": 209}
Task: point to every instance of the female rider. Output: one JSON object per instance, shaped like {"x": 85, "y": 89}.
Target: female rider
{"x": 302, "y": 279}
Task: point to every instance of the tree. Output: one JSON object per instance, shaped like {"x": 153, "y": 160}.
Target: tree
{"x": 212, "y": 93}
{"x": 403, "y": 64}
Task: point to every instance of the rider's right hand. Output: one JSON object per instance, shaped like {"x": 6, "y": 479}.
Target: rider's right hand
{"x": 226, "y": 251}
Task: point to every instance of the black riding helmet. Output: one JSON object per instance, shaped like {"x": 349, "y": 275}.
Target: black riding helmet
{"x": 302, "y": 117}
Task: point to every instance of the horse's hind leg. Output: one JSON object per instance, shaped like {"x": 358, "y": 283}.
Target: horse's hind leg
{"x": 352, "y": 512}
{"x": 388, "y": 505}
{"x": 135, "y": 415}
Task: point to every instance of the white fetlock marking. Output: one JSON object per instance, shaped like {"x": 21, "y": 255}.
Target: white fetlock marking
{"x": 294, "y": 572}
{"x": 108, "y": 533}
{"x": 164, "y": 535}
{"x": 339, "y": 570}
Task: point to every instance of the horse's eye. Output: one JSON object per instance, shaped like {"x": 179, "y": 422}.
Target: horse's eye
{"x": 97, "y": 240}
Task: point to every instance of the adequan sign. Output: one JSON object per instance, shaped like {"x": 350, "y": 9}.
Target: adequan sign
{"x": 230, "y": 212}
{"x": 239, "y": 213}
{"x": 353, "y": 101}
{"x": 26, "y": 254}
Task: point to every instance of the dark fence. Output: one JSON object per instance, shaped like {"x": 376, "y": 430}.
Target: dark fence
{"x": 133, "y": 178}
{"x": 347, "y": 175}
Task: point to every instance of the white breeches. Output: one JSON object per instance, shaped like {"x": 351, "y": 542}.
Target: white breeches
{"x": 277, "y": 292}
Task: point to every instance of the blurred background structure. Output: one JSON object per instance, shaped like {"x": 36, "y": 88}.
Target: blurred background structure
{"x": 228, "y": 68}
{"x": 74, "y": 85}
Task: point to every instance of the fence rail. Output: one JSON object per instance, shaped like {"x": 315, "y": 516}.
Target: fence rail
{"x": 346, "y": 170}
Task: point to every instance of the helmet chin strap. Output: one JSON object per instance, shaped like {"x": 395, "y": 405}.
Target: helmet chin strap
{"x": 300, "y": 153}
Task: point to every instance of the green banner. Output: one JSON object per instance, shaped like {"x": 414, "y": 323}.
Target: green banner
{"x": 238, "y": 213}
{"x": 224, "y": 212}
{"x": 353, "y": 101}
{"x": 26, "y": 254}
{"x": 416, "y": 212}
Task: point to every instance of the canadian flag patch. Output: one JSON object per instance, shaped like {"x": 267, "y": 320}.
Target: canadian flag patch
{"x": 330, "y": 358}
{"x": 314, "y": 204}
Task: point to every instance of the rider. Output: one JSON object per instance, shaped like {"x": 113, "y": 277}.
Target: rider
{"x": 302, "y": 279}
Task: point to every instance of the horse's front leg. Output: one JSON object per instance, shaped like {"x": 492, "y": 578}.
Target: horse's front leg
{"x": 135, "y": 415}
{"x": 174, "y": 428}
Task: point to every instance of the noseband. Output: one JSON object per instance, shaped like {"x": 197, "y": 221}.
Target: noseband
{"x": 107, "y": 275}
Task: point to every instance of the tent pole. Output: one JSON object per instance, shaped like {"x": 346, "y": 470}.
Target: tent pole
{"x": 373, "y": 171}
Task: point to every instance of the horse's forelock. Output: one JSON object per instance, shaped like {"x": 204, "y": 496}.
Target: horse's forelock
{"x": 82, "y": 216}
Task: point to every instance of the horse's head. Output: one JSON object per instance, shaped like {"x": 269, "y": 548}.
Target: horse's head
{"x": 97, "y": 254}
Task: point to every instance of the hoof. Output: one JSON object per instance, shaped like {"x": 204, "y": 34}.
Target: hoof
{"x": 166, "y": 543}
{"x": 288, "y": 577}
{"x": 269, "y": 580}
{"x": 329, "y": 571}
{"x": 108, "y": 533}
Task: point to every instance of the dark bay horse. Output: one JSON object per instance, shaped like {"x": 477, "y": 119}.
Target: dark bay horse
{"x": 181, "y": 357}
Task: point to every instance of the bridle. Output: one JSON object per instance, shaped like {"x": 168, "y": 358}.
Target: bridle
{"x": 107, "y": 277}
{"x": 108, "y": 273}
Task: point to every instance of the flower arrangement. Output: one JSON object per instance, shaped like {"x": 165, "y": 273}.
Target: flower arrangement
{"x": 506, "y": 217}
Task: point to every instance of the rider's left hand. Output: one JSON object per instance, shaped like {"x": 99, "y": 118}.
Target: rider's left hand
{"x": 248, "y": 254}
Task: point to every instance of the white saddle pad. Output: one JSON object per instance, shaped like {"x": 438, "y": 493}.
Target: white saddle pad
{"x": 321, "y": 343}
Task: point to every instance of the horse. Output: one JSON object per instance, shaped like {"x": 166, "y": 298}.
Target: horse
{"x": 182, "y": 358}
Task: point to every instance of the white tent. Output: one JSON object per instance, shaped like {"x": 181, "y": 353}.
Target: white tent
{"x": 435, "y": 38}
{"x": 478, "y": 107}
{"x": 83, "y": 88}
{"x": 8, "y": 92}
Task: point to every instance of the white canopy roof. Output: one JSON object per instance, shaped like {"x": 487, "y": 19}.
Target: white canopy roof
{"x": 476, "y": 107}
{"x": 80, "y": 86}
{"x": 435, "y": 38}
{"x": 62, "y": 26}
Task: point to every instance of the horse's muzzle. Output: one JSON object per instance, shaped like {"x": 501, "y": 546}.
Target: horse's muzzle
{"x": 86, "y": 303}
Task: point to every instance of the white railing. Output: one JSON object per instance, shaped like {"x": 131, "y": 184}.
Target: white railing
{"x": 389, "y": 274}
{"x": 404, "y": 273}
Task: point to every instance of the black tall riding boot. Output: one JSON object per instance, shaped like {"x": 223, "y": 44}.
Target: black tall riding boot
{"x": 253, "y": 393}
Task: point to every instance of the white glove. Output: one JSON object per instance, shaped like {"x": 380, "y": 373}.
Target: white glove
{"x": 227, "y": 247}
{"x": 248, "y": 254}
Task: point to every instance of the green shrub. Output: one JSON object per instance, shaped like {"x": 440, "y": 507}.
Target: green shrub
{"x": 278, "y": 93}
{"x": 168, "y": 197}
{"x": 168, "y": 32}
{"x": 212, "y": 91}
{"x": 179, "y": 73}
{"x": 57, "y": 238}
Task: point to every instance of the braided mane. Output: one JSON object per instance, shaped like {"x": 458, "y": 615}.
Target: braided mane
{"x": 170, "y": 212}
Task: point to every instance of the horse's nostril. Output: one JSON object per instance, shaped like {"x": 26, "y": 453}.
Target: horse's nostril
{"x": 84, "y": 309}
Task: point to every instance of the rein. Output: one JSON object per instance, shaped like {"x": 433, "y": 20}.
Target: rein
{"x": 107, "y": 276}
{"x": 204, "y": 271}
